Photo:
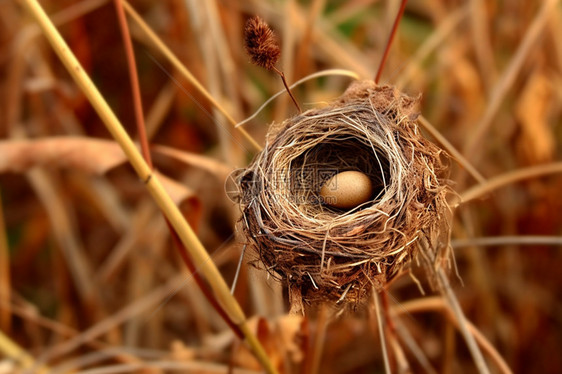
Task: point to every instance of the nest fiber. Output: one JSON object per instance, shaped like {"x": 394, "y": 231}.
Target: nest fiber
{"x": 325, "y": 253}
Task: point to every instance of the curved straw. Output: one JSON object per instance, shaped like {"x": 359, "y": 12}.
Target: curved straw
{"x": 510, "y": 177}
{"x": 185, "y": 232}
{"x": 381, "y": 327}
{"x": 491, "y": 241}
{"x": 323, "y": 73}
{"x": 437, "y": 303}
{"x": 462, "y": 322}
{"x": 461, "y": 160}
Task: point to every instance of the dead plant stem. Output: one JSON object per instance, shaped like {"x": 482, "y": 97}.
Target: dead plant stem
{"x": 378, "y": 313}
{"x": 452, "y": 150}
{"x": 201, "y": 283}
{"x": 462, "y": 323}
{"x": 322, "y": 73}
{"x": 282, "y": 75}
{"x": 507, "y": 79}
{"x": 169, "y": 55}
{"x": 188, "y": 237}
{"x": 437, "y": 303}
{"x": 141, "y": 131}
{"x": 507, "y": 240}
{"x": 134, "y": 81}
{"x": 5, "y": 278}
{"x": 319, "y": 338}
{"x": 412, "y": 345}
{"x": 508, "y": 178}
{"x": 390, "y": 39}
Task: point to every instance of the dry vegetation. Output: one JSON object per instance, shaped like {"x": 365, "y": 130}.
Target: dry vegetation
{"x": 89, "y": 277}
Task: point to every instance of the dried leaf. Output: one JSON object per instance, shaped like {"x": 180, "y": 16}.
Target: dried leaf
{"x": 293, "y": 334}
{"x": 180, "y": 352}
{"x": 242, "y": 356}
{"x": 89, "y": 155}
{"x": 285, "y": 338}
{"x": 94, "y": 156}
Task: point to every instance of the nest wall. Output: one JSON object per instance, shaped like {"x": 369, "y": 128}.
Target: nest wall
{"x": 325, "y": 253}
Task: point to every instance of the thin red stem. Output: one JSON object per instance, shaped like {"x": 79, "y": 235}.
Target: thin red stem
{"x": 282, "y": 75}
{"x": 201, "y": 283}
{"x": 133, "y": 78}
{"x": 143, "y": 139}
{"x": 390, "y": 39}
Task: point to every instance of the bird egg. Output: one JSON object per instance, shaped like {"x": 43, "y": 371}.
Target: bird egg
{"x": 347, "y": 190}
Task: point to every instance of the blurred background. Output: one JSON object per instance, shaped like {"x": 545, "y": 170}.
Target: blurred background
{"x": 88, "y": 275}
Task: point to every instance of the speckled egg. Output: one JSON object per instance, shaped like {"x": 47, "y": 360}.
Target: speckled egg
{"x": 346, "y": 190}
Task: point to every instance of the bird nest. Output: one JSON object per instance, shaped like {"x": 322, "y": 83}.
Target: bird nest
{"x": 326, "y": 253}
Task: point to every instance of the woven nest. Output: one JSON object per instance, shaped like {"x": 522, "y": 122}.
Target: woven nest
{"x": 325, "y": 253}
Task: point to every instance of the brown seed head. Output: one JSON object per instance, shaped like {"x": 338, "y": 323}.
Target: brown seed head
{"x": 261, "y": 43}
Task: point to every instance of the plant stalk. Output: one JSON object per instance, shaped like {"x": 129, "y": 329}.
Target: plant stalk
{"x": 185, "y": 232}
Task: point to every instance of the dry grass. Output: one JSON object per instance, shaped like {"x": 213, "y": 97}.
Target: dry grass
{"x": 89, "y": 280}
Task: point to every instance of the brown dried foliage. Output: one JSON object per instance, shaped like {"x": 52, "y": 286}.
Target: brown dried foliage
{"x": 62, "y": 222}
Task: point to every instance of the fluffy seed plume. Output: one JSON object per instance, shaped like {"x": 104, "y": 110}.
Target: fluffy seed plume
{"x": 261, "y": 43}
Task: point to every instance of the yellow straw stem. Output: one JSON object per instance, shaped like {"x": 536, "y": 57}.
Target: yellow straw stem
{"x": 22, "y": 358}
{"x": 196, "y": 250}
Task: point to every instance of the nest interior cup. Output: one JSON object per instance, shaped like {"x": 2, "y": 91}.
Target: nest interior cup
{"x": 326, "y": 253}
